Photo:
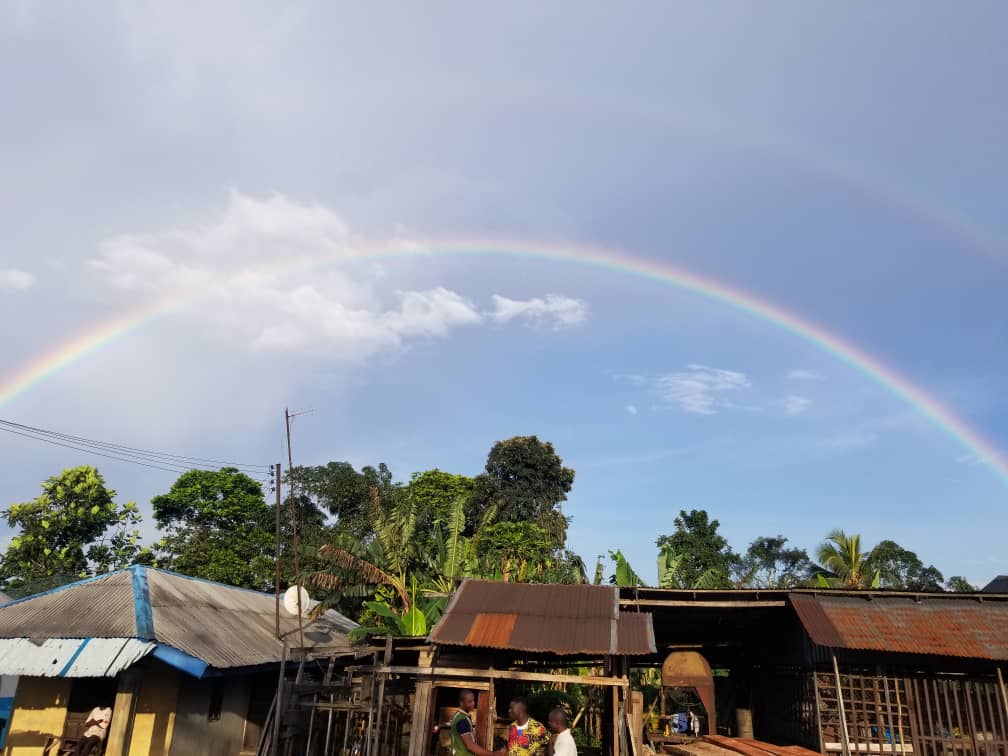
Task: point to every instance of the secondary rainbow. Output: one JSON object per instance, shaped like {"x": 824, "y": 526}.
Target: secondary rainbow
{"x": 91, "y": 340}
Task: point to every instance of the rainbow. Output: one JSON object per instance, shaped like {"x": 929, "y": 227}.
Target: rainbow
{"x": 86, "y": 343}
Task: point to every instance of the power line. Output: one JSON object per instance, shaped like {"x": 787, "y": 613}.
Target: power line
{"x": 91, "y": 451}
{"x": 131, "y": 451}
{"x": 176, "y": 463}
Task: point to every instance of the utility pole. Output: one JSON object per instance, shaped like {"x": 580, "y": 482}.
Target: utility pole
{"x": 294, "y": 527}
{"x": 276, "y": 507}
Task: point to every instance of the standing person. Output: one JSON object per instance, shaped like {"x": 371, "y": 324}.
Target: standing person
{"x": 463, "y": 739}
{"x": 526, "y": 737}
{"x": 563, "y": 741}
{"x": 95, "y": 730}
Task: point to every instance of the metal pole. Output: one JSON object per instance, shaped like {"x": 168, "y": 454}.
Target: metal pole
{"x": 294, "y": 527}
{"x": 840, "y": 703}
{"x": 276, "y": 582}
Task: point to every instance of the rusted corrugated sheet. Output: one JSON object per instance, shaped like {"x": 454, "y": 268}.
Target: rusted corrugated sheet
{"x": 559, "y": 619}
{"x": 932, "y": 626}
{"x": 70, "y": 657}
{"x": 636, "y": 630}
{"x": 97, "y": 608}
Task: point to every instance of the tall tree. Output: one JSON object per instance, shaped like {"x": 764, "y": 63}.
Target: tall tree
{"x": 526, "y": 480}
{"x": 342, "y": 491}
{"x": 217, "y": 526}
{"x": 768, "y": 563}
{"x": 73, "y": 530}
{"x": 702, "y": 550}
{"x": 435, "y": 496}
{"x": 900, "y": 569}
{"x": 843, "y": 563}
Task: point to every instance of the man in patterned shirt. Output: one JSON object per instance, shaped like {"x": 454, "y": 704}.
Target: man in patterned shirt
{"x": 526, "y": 737}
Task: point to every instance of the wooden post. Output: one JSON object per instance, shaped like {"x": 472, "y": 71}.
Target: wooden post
{"x": 818, "y": 711}
{"x": 381, "y": 694}
{"x": 121, "y": 727}
{"x": 278, "y": 716}
{"x": 1004, "y": 691}
{"x": 845, "y": 740}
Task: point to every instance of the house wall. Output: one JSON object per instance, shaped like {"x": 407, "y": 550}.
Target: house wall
{"x": 195, "y": 734}
{"x": 8, "y": 686}
{"x": 154, "y": 712}
{"x": 39, "y": 712}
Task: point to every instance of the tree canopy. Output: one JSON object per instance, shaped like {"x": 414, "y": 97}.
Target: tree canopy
{"x": 702, "y": 549}
{"x": 217, "y": 526}
{"x": 74, "y": 529}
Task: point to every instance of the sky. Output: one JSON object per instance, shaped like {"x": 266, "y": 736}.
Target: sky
{"x": 314, "y": 193}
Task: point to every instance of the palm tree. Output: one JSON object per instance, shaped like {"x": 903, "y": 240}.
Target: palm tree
{"x": 845, "y": 565}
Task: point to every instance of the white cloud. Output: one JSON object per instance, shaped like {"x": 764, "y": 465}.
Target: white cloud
{"x": 256, "y": 269}
{"x": 18, "y": 280}
{"x": 631, "y": 409}
{"x": 805, "y": 375}
{"x": 699, "y": 388}
{"x": 795, "y": 405}
{"x": 561, "y": 311}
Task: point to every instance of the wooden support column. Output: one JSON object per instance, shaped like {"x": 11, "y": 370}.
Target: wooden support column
{"x": 121, "y": 727}
{"x": 845, "y": 740}
{"x": 422, "y": 698}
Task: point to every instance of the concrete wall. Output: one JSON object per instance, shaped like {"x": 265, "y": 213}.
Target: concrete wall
{"x": 39, "y": 712}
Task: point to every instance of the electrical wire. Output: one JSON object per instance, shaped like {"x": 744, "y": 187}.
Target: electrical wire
{"x": 131, "y": 451}
{"x": 176, "y": 463}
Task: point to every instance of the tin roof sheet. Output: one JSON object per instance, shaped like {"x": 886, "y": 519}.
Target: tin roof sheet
{"x": 559, "y": 619}
{"x": 937, "y": 626}
{"x": 71, "y": 657}
{"x": 221, "y": 625}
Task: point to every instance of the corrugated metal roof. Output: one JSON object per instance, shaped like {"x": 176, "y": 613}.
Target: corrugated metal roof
{"x": 71, "y": 657}
{"x": 231, "y": 627}
{"x": 97, "y": 608}
{"x": 559, "y": 619}
{"x": 221, "y": 625}
{"x": 938, "y": 626}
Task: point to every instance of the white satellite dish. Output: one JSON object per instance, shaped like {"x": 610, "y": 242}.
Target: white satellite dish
{"x": 290, "y": 602}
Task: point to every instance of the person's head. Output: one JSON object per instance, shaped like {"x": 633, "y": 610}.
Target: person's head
{"x": 518, "y": 710}
{"x": 467, "y": 700}
{"x": 558, "y": 720}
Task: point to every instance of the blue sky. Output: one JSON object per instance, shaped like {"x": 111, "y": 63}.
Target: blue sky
{"x": 847, "y": 163}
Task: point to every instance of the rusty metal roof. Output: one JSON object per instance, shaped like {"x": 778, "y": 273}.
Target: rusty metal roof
{"x": 901, "y": 624}
{"x": 193, "y": 624}
{"x": 558, "y": 619}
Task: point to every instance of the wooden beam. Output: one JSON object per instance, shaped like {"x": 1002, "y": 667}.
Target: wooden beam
{"x": 503, "y": 674}
{"x": 704, "y": 604}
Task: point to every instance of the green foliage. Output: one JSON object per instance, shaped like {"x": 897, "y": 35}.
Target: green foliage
{"x": 843, "y": 564}
{"x": 217, "y": 526}
{"x": 624, "y": 576}
{"x": 73, "y": 530}
{"x": 767, "y": 563}
{"x": 704, "y": 554}
{"x": 515, "y": 550}
{"x": 959, "y": 584}
{"x": 901, "y": 570}
{"x": 526, "y": 480}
